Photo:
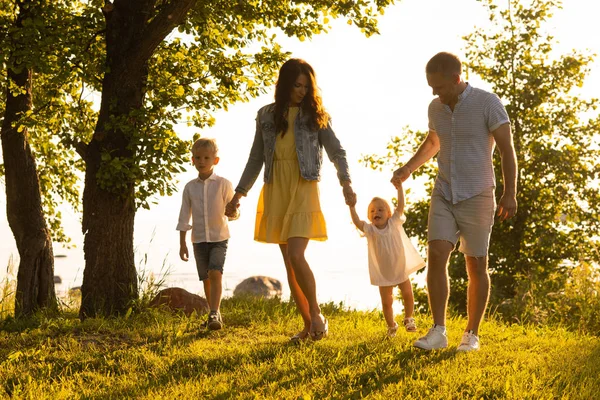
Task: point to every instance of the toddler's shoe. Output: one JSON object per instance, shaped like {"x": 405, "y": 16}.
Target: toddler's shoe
{"x": 469, "y": 342}
{"x": 434, "y": 339}
{"x": 214, "y": 322}
{"x": 392, "y": 330}
{"x": 410, "y": 325}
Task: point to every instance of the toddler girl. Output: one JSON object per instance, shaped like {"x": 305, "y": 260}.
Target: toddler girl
{"x": 392, "y": 257}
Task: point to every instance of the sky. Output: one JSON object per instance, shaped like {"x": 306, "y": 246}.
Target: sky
{"x": 372, "y": 88}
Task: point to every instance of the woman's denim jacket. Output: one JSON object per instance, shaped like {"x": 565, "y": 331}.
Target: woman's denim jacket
{"x": 309, "y": 147}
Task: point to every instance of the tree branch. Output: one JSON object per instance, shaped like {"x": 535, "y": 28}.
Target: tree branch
{"x": 156, "y": 31}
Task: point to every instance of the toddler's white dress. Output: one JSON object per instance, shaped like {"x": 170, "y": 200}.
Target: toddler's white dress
{"x": 392, "y": 256}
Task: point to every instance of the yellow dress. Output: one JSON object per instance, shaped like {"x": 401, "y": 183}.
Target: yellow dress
{"x": 288, "y": 206}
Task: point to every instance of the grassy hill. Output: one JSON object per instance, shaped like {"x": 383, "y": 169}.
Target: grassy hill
{"x": 154, "y": 355}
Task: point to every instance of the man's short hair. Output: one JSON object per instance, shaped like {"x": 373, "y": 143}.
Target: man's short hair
{"x": 444, "y": 63}
{"x": 207, "y": 143}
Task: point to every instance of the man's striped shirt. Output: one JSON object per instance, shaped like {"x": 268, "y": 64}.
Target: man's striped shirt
{"x": 465, "y": 166}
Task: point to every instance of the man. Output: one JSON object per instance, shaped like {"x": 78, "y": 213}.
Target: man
{"x": 464, "y": 125}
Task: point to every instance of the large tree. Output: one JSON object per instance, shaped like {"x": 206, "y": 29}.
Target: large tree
{"x": 42, "y": 109}
{"x": 557, "y": 223}
{"x": 35, "y": 285}
{"x": 35, "y": 105}
{"x": 153, "y": 78}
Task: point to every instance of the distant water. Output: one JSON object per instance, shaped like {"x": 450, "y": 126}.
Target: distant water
{"x": 347, "y": 283}
{"x": 338, "y": 283}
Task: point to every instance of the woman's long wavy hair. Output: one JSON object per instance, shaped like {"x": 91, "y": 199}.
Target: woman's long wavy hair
{"x": 312, "y": 105}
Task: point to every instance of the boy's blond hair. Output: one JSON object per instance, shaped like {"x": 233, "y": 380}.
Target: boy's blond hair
{"x": 207, "y": 143}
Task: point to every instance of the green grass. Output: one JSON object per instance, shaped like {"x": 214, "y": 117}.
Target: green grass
{"x": 154, "y": 355}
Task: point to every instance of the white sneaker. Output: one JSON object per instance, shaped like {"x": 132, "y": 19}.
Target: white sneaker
{"x": 469, "y": 342}
{"x": 435, "y": 339}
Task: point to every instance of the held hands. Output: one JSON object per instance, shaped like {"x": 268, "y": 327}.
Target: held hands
{"x": 397, "y": 183}
{"x": 507, "y": 207}
{"x": 400, "y": 175}
{"x": 231, "y": 209}
{"x": 349, "y": 195}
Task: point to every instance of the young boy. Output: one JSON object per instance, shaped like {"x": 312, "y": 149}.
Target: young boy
{"x": 204, "y": 199}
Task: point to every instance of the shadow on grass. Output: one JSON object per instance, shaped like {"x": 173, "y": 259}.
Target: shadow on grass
{"x": 351, "y": 367}
{"x": 357, "y": 386}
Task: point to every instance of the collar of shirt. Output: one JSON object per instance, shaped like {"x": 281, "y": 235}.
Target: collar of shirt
{"x": 465, "y": 93}
{"x": 212, "y": 177}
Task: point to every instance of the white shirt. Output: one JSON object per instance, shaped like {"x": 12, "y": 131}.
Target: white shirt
{"x": 205, "y": 201}
{"x": 465, "y": 167}
{"x": 392, "y": 256}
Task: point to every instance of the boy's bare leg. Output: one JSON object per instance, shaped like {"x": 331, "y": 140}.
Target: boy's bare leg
{"x": 215, "y": 278}
{"x": 387, "y": 301}
{"x": 438, "y": 287}
{"x": 206, "y": 284}
{"x": 298, "y": 296}
{"x": 478, "y": 291}
{"x": 408, "y": 299}
{"x": 305, "y": 278}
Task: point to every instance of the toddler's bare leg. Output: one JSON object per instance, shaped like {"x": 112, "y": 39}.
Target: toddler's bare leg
{"x": 387, "y": 300}
{"x": 408, "y": 300}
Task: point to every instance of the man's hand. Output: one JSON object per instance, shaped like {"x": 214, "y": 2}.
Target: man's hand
{"x": 507, "y": 207}
{"x": 183, "y": 252}
{"x": 397, "y": 183}
{"x": 400, "y": 175}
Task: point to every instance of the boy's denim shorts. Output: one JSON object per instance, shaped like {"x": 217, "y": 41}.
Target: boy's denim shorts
{"x": 209, "y": 256}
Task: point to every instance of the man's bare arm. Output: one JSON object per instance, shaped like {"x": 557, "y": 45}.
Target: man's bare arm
{"x": 507, "y": 206}
{"x": 426, "y": 151}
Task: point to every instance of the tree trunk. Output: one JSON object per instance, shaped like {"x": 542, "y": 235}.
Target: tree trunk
{"x": 132, "y": 34}
{"x": 109, "y": 278}
{"x": 35, "y": 279}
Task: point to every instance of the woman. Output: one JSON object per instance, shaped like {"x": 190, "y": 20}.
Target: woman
{"x": 290, "y": 136}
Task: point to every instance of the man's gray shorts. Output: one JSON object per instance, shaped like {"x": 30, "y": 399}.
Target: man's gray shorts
{"x": 469, "y": 220}
{"x": 209, "y": 256}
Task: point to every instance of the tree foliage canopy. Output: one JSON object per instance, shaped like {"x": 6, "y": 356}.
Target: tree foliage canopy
{"x": 45, "y": 43}
{"x": 222, "y": 53}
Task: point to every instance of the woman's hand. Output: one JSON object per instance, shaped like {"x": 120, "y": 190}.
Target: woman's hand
{"x": 231, "y": 209}
{"x": 349, "y": 194}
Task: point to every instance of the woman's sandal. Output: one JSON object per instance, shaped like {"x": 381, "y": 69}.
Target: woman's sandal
{"x": 300, "y": 337}
{"x": 318, "y": 335}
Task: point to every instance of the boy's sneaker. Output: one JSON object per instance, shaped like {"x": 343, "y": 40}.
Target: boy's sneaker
{"x": 469, "y": 342}
{"x": 435, "y": 339}
{"x": 392, "y": 330}
{"x": 410, "y": 325}
{"x": 214, "y": 322}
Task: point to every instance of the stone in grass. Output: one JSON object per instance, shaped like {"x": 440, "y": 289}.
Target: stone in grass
{"x": 178, "y": 299}
{"x": 259, "y": 286}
